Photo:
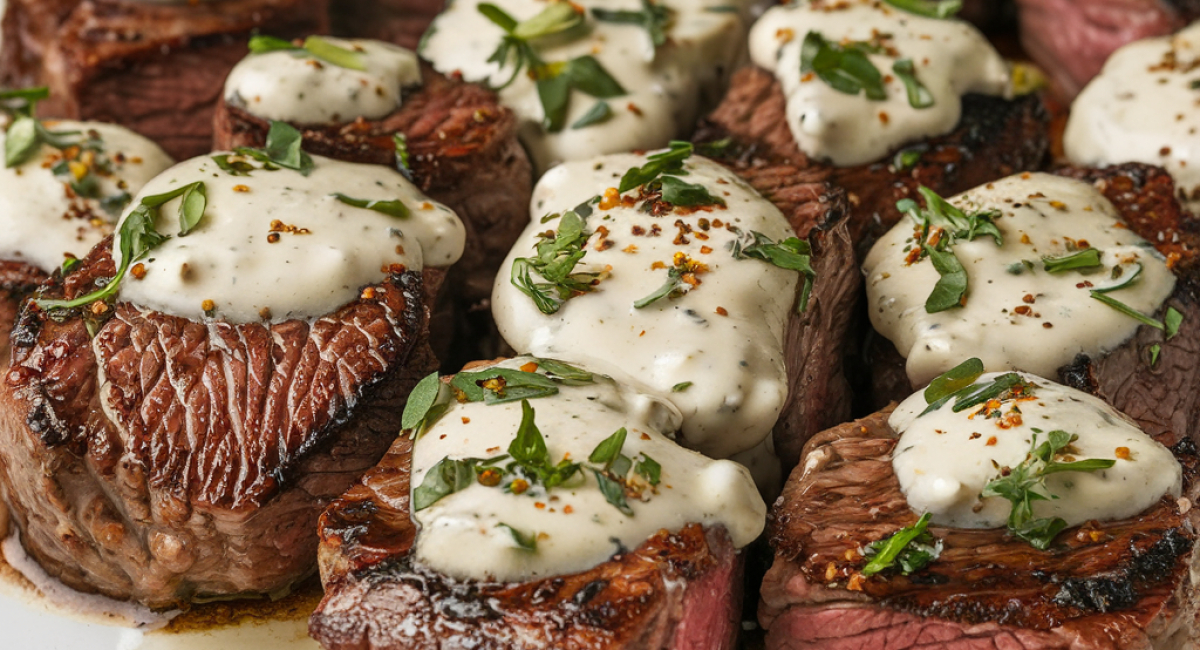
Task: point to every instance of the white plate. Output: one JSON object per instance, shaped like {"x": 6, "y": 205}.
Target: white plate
{"x": 32, "y": 620}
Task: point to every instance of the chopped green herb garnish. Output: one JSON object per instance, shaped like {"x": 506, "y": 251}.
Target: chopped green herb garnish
{"x": 649, "y": 469}
{"x": 793, "y": 254}
{"x": 501, "y": 385}
{"x": 953, "y": 380}
{"x": 1001, "y": 387}
{"x": 845, "y": 67}
{"x": 565, "y": 373}
{"x": 1172, "y": 320}
{"x": 1154, "y": 352}
{"x": 393, "y": 208}
{"x": 529, "y": 452}
{"x": 525, "y": 542}
{"x": 20, "y": 102}
{"x": 443, "y": 479}
{"x": 1085, "y": 260}
{"x": 918, "y": 95}
{"x": 400, "y": 142}
{"x": 1101, "y": 294}
{"x": 426, "y": 403}
{"x": 911, "y": 547}
{"x": 609, "y": 449}
{"x": 556, "y": 259}
{"x": 929, "y": 8}
{"x": 556, "y": 18}
{"x": 314, "y": 46}
{"x": 677, "y": 191}
{"x": 907, "y": 159}
{"x": 599, "y": 112}
{"x": 555, "y": 81}
{"x": 681, "y": 386}
{"x": 944, "y": 225}
{"x": 613, "y": 491}
{"x": 1026, "y": 483}
{"x": 283, "y": 149}
{"x": 664, "y": 162}
{"x": 653, "y": 17}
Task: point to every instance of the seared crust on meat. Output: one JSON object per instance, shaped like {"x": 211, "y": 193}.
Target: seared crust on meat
{"x": 156, "y": 68}
{"x": 995, "y": 138}
{"x": 1162, "y": 395}
{"x": 676, "y": 590}
{"x": 164, "y": 459}
{"x": 463, "y": 152}
{"x": 1112, "y": 585}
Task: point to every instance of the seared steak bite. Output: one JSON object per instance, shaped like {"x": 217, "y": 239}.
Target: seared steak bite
{"x": 168, "y": 438}
{"x": 1112, "y": 585}
{"x": 402, "y": 22}
{"x": 462, "y": 150}
{"x": 392, "y": 557}
{"x": 156, "y": 68}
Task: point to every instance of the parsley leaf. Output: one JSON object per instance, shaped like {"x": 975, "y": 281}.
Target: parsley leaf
{"x": 525, "y": 542}
{"x": 1026, "y": 483}
{"x": 556, "y": 18}
{"x": 663, "y": 162}
{"x": 953, "y": 380}
{"x": 653, "y": 17}
{"x": 425, "y": 404}
{"x": 555, "y": 81}
{"x": 400, "y": 142}
{"x": 283, "y": 149}
{"x": 314, "y": 46}
{"x": 793, "y": 254}
{"x": 918, "y": 95}
{"x": 556, "y": 259}
{"x": 845, "y": 67}
{"x": 941, "y": 226}
{"x": 609, "y": 449}
{"x": 911, "y": 547}
{"x": 1085, "y": 260}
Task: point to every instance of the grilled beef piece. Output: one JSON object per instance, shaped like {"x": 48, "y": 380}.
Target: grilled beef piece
{"x": 463, "y": 152}
{"x": 1071, "y": 39}
{"x": 1160, "y": 396}
{"x": 163, "y": 460}
{"x": 995, "y": 138}
{"x": 1114, "y": 585}
{"x": 402, "y": 22}
{"x": 677, "y": 590}
{"x": 155, "y": 68}
{"x": 17, "y": 280}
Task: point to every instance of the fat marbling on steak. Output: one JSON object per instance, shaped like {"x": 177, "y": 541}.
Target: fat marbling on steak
{"x": 159, "y": 459}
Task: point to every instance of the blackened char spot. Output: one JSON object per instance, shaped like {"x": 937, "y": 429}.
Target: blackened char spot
{"x": 589, "y": 591}
{"x": 1079, "y": 374}
{"x": 1121, "y": 591}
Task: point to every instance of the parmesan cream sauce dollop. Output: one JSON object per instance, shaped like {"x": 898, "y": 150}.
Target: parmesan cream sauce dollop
{"x": 717, "y": 351}
{"x": 1142, "y": 108}
{"x": 306, "y": 90}
{"x": 229, "y": 258}
{"x": 43, "y": 219}
{"x": 951, "y": 59}
{"x": 944, "y": 459}
{"x": 666, "y": 88}
{"x": 576, "y": 527}
{"x": 1017, "y": 315}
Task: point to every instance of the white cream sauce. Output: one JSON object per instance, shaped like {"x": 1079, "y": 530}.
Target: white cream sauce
{"x": 944, "y": 459}
{"x": 230, "y": 258}
{"x": 1142, "y": 107}
{"x": 43, "y": 219}
{"x": 951, "y": 58}
{"x": 576, "y": 527}
{"x": 667, "y": 89}
{"x": 306, "y": 90}
{"x": 1034, "y": 321}
{"x": 724, "y": 337}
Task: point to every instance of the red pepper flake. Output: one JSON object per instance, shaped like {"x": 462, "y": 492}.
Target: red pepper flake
{"x": 1047, "y": 325}
{"x": 1165, "y": 151}
{"x": 633, "y": 108}
{"x": 539, "y": 505}
{"x": 466, "y": 420}
{"x": 567, "y": 509}
{"x": 1023, "y": 310}
{"x": 1025, "y": 239}
{"x": 991, "y": 442}
{"x": 884, "y": 118}
{"x": 856, "y": 582}
{"x": 657, "y": 265}
{"x": 632, "y": 248}
{"x": 368, "y": 293}
{"x": 529, "y": 367}
{"x": 975, "y": 436}
{"x": 138, "y": 271}
{"x": 273, "y": 238}
{"x": 241, "y": 188}
{"x": 98, "y": 307}
{"x": 644, "y": 436}
{"x": 722, "y": 311}
{"x": 706, "y": 249}
{"x": 208, "y": 305}
{"x": 612, "y": 198}
{"x": 1123, "y": 453}
{"x": 518, "y": 486}
{"x": 1028, "y": 299}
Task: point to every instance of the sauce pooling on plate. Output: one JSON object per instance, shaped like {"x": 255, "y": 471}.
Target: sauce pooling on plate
{"x": 1030, "y": 303}
{"x": 360, "y": 78}
{"x": 518, "y": 526}
{"x": 1142, "y": 108}
{"x": 59, "y": 202}
{"x": 276, "y": 244}
{"x": 673, "y": 309}
{"x": 922, "y": 68}
{"x": 945, "y": 458}
{"x": 656, "y": 91}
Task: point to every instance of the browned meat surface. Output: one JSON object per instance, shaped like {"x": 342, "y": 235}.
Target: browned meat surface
{"x": 398, "y": 21}
{"x": 678, "y": 591}
{"x": 995, "y": 138}
{"x": 463, "y": 152}
{"x": 156, "y": 68}
{"x": 1071, "y": 39}
{"x": 1112, "y": 586}
{"x": 1161, "y": 396}
{"x": 165, "y": 459}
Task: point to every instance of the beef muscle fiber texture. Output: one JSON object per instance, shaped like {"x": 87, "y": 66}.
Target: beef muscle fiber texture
{"x": 994, "y": 138}
{"x": 1103, "y": 586}
{"x": 1160, "y": 395}
{"x": 676, "y": 591}
{"x": 463, "y": 152}
{"x": 164, "y": 459}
